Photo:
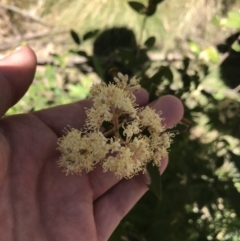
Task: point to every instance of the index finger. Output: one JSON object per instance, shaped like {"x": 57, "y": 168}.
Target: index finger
{"x": 16, "y": 75}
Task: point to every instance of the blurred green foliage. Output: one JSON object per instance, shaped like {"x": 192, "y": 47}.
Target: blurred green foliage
{"x": 201, "y": 186}
{"x": 52, "y": 86}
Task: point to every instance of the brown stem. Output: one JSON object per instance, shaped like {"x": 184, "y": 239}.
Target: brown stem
{"x": 141, "y": 31}
{"x": 136, "y": 152}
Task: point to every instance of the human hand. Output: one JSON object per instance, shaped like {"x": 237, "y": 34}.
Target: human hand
{"x": 37, "y": 200}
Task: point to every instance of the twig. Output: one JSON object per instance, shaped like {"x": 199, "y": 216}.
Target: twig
{"x": 237, "y": 89}
{"x": 141, "y": 31}
{"x": 24, "y": 14}
{"x": 18, "y": 40}
{"x": 72, "y": 63}
{"x": 8, "y": 22}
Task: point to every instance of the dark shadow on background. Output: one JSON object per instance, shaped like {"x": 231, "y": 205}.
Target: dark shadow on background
{"x": 117, "y": 48}
{"x": 230, "y": 67}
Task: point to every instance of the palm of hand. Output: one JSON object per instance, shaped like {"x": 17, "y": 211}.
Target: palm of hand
{"x": 37, "y": 200}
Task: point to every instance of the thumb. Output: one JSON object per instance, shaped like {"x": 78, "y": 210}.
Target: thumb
{"x": 16, "y": 75}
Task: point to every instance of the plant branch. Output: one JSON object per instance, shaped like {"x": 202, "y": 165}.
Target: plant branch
{"x": 18, "y": 40}
{"x": 8, "y": 22}
{"x": 142, "y": 28}
{"x": 23, "y": 13}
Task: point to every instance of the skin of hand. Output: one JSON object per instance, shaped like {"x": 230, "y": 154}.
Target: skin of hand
{"x": 37, "y": 200}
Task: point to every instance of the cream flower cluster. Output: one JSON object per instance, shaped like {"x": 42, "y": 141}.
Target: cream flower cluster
{"x": 120, "y": 136}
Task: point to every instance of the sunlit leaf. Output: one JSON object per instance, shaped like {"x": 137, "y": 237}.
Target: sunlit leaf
{"x": 232, "y": 24}
{"x": 233, "y": 20}
{"x": 194, "y": 47}
{"x": 236, "y": 47}
{"x": 210, "y": 54}
{"x": 234, "y": 16}
{"x": 216, "y": 21}
{"x": 213, "y": 54}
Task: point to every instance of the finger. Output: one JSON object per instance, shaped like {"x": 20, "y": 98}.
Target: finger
{"x": 118, "y": 200}
{"x": 171, "y": 108}
{"x": 4, "y": 157}
{"x": 16, "y": 74}
{"x": 58, "y": 118}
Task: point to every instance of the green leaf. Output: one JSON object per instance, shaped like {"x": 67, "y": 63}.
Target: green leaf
{"x": 232, "y": 24}
{"x": 212, "y": 54}
{"x": 82, "y": 53}
{"x": 79, "y": 52}
{"x": 75, "y": 37}
{"x": 236, "y": 47}
{"x": 194, "y": 47}
{"x": 234, "y": 16}
{"x": 90, "y": 34}
{"x": 216, "y": 21}
{"x": 156, "y": 1}
{"x": 233, "y": 20}
{"x": 156, "y": 184}
{"x": 151, "y": 10}
{"x": 150, "y": 42}
{"x": 138, "y": 7}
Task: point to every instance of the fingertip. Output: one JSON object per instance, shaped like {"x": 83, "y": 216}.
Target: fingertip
{"x": 23, "y": 53}
{"x": 142, "y": 97}
{"x": 171, "y": 107}
{"x": 19, "y": 66}
{"x": 16, "y": 74}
